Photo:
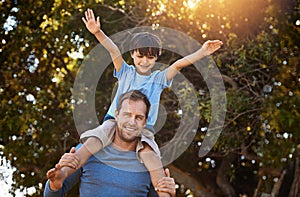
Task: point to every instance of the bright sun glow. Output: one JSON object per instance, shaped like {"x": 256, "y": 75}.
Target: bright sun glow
{"x": 191, "y": 3}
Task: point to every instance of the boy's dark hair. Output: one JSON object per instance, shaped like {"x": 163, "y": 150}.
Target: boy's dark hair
{"x": 134, "y": 95}
{"x": 146, "y": 44}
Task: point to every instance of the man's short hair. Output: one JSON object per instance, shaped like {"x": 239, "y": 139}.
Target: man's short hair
{"x": 134, "y": 95}
{"x": 146, "y": 44}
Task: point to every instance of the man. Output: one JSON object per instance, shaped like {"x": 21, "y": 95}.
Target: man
{"x": 115, "y": 170}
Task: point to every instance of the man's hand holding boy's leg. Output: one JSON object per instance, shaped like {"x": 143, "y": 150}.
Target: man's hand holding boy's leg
{"x": 57, "y": 175}
{"x": 166, "y": 184}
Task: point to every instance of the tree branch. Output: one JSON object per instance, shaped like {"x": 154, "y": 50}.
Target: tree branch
{"x": 193, "y": 184}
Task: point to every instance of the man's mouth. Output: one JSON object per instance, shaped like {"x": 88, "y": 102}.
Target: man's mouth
{"x": 130, "y": 129}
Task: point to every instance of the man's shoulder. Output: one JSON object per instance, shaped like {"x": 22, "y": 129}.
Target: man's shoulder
{"x": 123, "y": 160}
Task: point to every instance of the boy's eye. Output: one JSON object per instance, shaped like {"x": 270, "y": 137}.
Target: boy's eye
{"x": 151, "y": 57}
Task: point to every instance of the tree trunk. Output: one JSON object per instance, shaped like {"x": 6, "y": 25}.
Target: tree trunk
{"x": 295, "y": 188}
{"x": 193, "y": 184}
{"x": 277, "y": 185}
{"x": 222, "y": 179}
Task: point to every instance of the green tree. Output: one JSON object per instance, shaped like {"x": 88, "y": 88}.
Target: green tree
{"x": 43, "y": 44}
{"x": 260, "y": 52}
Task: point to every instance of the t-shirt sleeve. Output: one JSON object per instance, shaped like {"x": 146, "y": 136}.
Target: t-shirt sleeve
{"x": 50, "y": 193}
{"x": 67, "y": 185}
{"x": 161, "y": 78}
{"x": 125, "y": 68}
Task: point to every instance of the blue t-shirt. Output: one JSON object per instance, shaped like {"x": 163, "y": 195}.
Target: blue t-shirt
{"x": 110, "y": 172}
{"x": 151, "y": 85}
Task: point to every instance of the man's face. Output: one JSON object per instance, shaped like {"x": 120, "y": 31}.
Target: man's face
{"x": 131, "y": 120}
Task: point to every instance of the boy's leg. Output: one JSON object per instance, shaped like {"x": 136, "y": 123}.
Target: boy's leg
{"x": 66, "y": 165}
{"x": 150, "y": 156}
{"x": 95, "y": 140}
{"x": 56, "y": 177}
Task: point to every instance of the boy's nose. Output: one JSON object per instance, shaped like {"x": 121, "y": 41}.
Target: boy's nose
{"x": 145, "y": 60}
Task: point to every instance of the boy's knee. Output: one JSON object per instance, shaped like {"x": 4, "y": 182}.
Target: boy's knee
{"x": 93, "y": 143}
{"x": 92, "y": 140}
{"x": 146, "y": 147}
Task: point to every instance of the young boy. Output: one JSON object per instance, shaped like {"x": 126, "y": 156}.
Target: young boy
{"x": 138, "y": 77}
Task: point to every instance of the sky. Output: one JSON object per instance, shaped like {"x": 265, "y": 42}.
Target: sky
{"x": 6, "y": 172}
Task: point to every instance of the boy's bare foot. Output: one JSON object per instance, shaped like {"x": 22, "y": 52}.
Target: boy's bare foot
{"x": 66, "y": 166}
{"x": 56, "y": 176}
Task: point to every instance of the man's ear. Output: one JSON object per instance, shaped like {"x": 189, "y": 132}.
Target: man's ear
{"x": 116, "y": 113}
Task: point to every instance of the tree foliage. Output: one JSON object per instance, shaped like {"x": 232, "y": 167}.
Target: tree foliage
{"x": 43, "y": 44}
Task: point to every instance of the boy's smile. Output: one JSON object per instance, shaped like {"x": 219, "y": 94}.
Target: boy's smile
{"x": 143, "y": 64}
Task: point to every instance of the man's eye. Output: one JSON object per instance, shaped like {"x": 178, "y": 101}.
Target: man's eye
{"x": 139, "y": 118}
{"x": 151, "y": 57}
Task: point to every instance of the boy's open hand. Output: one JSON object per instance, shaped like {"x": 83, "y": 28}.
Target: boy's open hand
{"x": 90, "y": 22}
{"x": 210, "y": 46}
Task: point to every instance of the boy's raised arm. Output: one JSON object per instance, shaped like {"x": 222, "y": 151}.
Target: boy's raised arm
{"x": 94, "y": 26}
{"x": 208, "y": 48}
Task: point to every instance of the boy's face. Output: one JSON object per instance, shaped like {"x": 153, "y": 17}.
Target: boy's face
{"x": 143, "y": 64}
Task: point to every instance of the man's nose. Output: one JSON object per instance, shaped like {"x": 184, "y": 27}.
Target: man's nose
{"x": 132, "y": 120}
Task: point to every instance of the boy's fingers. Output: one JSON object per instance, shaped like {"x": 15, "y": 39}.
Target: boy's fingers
{"x": 83, "y": 19}
{"x": 91, "y": 14}
{"x": 86, "y": 15}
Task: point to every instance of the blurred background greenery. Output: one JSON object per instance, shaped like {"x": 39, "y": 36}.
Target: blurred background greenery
{"x": 44, "y": 42}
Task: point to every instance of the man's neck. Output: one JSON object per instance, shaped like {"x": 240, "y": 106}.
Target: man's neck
{"x": 124, "y": 146}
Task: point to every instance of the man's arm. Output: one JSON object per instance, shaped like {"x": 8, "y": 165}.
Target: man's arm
{"x": 207, "y": 48}
{"x": 94, "y": 27}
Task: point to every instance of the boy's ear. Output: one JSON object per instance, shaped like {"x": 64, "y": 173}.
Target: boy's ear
{"x": 131, "y": 53}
